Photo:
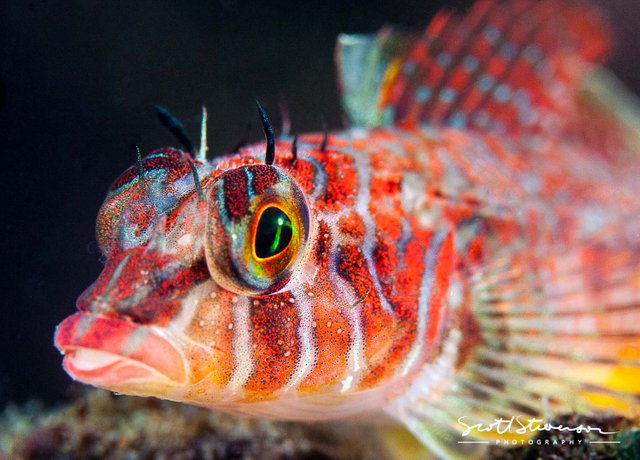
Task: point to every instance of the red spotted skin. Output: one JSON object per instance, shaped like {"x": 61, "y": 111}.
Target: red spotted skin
{"x": 385, "y": 213}
{"x": 397, "y": 222}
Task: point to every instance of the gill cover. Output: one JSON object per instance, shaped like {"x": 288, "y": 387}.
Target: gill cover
{"x": 257, "y": 230}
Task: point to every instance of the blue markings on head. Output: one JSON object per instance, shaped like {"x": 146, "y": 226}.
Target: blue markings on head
{"x": 250, "y": 192}
{"x": 222, "y": 210}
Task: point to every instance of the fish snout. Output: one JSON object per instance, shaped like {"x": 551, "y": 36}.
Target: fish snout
{"x": 116, "y": 353}
{"x": 142, "y": 286}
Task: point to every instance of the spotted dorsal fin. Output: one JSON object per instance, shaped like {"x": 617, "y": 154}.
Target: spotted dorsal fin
{"x": 510, "y": 67}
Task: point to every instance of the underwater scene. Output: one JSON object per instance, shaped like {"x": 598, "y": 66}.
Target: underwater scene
{"x": 320, "y": 230}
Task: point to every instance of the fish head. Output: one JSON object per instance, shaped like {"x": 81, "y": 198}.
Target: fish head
{"x": 145, "y": 229}
{"x": 171, "y": 313}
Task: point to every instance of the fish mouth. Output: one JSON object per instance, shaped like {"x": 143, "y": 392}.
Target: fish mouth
{"x": 118, "y": 354}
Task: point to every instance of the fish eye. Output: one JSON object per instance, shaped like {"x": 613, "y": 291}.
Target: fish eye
{"x": 273, "y": 234}
{"x": 257, "y": 230}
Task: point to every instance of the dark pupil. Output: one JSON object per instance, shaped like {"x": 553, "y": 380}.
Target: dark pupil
{"x": 273, "y": 234}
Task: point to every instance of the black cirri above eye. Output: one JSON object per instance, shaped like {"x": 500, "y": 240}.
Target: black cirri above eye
{"x": 273, "y": 233}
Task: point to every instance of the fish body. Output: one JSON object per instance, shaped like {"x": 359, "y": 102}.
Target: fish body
{"x": 468, "y": 248}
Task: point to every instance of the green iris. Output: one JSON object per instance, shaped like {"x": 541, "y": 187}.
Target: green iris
{"x": 273, "y": 234}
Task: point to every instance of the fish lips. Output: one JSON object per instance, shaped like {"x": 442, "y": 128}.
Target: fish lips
{"x": 116, "y": 353}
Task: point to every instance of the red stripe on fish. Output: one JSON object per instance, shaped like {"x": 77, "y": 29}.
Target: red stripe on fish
{"x": 275, "y": 325}
{"x": 341, "y": 181}
{"x": 236, "y": 193}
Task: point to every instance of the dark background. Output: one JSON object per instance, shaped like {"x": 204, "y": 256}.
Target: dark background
{"x": 77, "y": 78}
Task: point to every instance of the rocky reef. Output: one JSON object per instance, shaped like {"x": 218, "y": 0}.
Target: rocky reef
{"x": 101, "y": 425}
